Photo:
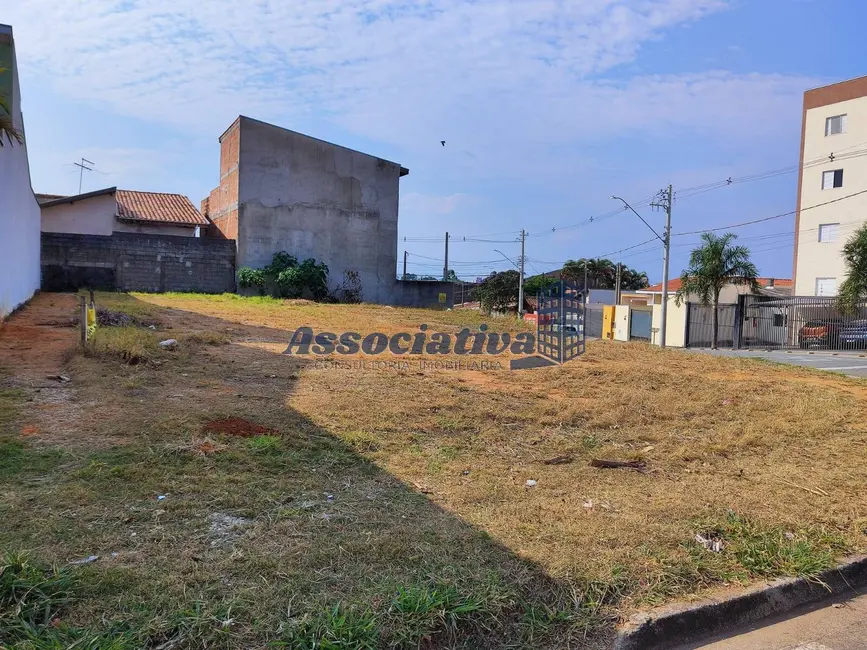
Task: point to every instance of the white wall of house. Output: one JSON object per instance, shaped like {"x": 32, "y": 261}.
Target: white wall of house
{"x": 90, "y": 216}
{"x": 154, "y": 229}
{"x": 822, "y": 231}
{"x": 19, "y": 211}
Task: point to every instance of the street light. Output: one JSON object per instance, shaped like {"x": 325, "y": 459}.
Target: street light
{"x": 666, "y": 256}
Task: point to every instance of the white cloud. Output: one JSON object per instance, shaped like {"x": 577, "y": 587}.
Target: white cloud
{"x": 503, "y": 81}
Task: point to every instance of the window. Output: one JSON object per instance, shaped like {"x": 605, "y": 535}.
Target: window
{"x": 828, "y": 232}
{"x": 779, "y": 320}
{"x": 826, "y": 286}
{"x": 832, "y": 179}
{"x": 835, "y": 125}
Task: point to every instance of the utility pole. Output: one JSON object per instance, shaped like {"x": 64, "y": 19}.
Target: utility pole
{"x": 446, "y": 267}
{"x": 585, "y": 278}
{"x": 617, "y": 285}
{"x": 664, "y": 202}
{"x": 81, "y": 171}
{"x": 404, "y": 265}
{"x": 521, "y": 279}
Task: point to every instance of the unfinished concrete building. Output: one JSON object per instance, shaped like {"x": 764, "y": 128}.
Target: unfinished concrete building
{"x": 284, "y": 191}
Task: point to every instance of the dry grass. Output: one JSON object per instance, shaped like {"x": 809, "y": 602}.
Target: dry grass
{"x": 390, "y": 507}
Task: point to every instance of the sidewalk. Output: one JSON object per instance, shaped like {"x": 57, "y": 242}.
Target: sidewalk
{"x": 839, "y": 626}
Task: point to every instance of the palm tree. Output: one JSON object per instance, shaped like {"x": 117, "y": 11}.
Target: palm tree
{"x": 853, "y": 290}
{"x": 713, "y": 265}
{"x": 7, "y": 126}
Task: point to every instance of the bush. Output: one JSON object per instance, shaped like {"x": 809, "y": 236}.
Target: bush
{"x": 284, "y": 277}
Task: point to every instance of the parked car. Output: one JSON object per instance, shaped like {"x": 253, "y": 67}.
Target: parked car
{"x": 820, "y": 333}
{"x": 854, "y": 334}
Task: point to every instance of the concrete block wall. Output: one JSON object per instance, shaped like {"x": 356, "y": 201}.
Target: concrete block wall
{"x": 418, "y": 293}
{"x": 138, "y": 262}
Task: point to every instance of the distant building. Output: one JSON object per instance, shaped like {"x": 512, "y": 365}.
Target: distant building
{"x": 285, "y": 191}
{"x": 776, "y": 287}
{"x": 833, "y": 165}
{"x": 19, "y": 211}
{"x": 111, "y": 210}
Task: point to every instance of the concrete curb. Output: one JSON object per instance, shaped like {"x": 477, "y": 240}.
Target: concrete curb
{"x": 683, "y": 624}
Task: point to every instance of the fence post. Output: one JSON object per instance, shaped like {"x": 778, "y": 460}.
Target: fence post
{"x": 737, "y": 339}
{"x": 688, "y": 319}
{"x": 83, "y": 318}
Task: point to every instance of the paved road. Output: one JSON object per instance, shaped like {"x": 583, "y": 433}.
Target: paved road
{"x": 852, "y": 364}
{"x": 841, "y": 626}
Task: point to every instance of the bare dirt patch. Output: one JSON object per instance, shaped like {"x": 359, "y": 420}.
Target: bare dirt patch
{"x": 36, "y": 339}
{"x": 235, "y": 426}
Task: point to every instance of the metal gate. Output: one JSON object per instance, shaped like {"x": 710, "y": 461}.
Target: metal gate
{"x": 640, "y": 324}
{"x": 699, "y": 325}
{"x": 560, "y": 331}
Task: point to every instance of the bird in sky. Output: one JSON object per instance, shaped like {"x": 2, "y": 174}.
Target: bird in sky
{"x": 443, "y": 142}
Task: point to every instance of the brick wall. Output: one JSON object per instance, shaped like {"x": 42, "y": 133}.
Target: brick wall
{"x": 137, "y": 262}
{"x": 221, "y": 206}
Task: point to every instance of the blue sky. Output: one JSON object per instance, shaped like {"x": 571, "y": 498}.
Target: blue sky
{"x": 548, "y": 107}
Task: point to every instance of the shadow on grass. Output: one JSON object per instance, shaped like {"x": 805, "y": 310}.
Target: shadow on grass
{"x": 292, "y": 538}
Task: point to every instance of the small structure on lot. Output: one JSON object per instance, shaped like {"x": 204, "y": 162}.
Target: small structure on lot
{"x": 285, "y": 191}
{"x": 111, "y": 210}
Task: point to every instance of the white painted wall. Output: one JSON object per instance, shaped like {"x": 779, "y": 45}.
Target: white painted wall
{"x": 91, "y": 216}
{"x": 621, "y": 323}
{"x": 675, "y": 330}
{"x": 824, "y": 259}
{"x": 154, "y": 229}
{"x": 19, "y": 211}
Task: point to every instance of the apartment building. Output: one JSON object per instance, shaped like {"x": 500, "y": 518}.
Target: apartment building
{"x": 833, "y": 166}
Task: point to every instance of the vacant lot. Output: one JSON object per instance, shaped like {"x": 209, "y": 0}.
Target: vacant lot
{"x": 239, "y": 497}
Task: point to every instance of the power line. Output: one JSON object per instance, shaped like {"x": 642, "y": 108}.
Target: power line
{"x": 776, "y": 216}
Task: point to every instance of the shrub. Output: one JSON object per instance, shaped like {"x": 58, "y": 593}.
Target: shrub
{"x": 284, "y": 277}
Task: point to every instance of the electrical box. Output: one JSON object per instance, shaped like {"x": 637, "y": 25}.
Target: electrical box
{"x": 608, "y": 322}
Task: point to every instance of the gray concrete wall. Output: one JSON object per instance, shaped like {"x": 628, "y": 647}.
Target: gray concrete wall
{"x": 423, "y": 293}
{"x": 315, "y": 199}
{"x": 137, "y": 262}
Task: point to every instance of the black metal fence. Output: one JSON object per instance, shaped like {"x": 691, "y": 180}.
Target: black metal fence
{"x": 766, "y": 322}
{"x": 699, "y": 325}
{"x": 804, "y": 322}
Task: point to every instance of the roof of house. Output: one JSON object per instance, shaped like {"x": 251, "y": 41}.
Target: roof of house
{"x": 45, "y": 198}
{"x": 158, "y": 207}
{"x": 674, "y": 285}
{"x": 75, "y": 197}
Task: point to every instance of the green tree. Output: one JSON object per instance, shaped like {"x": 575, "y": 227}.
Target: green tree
{"x": 498, "y": 291}
{"x": 7, "y": 125}
{"x": 632, "y": 280}
{"x": 602, "y": 274}
{"x": 853, "y": 290}
{"x": 533, "y": 285}
{"x": 451, "y": 276}
{"x": 713, "y": 265}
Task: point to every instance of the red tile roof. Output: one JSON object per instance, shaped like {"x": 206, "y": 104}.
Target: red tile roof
{"x": 674, "y": 285}
{"x": 158, "y": 207}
